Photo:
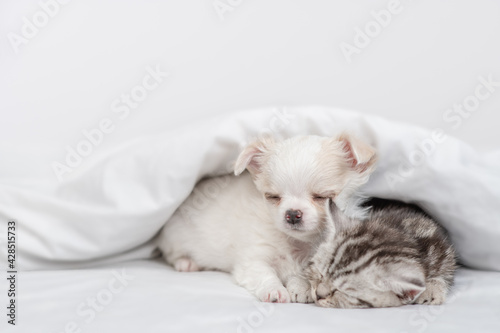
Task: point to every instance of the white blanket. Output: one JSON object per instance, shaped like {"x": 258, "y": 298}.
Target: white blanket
{"x": 148, "y": 296}
{"x": 110, "y": 206}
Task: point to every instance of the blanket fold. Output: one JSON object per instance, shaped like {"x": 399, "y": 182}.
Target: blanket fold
{"x": 111, "y": 206}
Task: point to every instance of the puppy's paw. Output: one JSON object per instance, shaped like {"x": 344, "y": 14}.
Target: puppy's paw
{"x": 434, "y": 294}
{"x": 299, "y": 290}
{"x": 275, "y": 294}
{"x": 185, "y": 264}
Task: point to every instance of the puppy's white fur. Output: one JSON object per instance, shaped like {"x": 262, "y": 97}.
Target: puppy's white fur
{"x": 238, "y": 224}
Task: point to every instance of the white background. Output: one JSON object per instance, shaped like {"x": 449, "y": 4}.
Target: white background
{"x": 64, "y": 79}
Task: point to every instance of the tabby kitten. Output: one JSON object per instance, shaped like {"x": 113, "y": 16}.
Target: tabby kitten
{"x": 398, "y": 256}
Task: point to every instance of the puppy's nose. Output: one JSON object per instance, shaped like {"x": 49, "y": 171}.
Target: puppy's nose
{"x": 293, "y": 216}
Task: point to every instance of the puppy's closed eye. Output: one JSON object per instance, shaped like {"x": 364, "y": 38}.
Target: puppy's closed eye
{"x": 323, "y": 196}
{"x": 319, "y": 197}
{"x": 273, "y": 197}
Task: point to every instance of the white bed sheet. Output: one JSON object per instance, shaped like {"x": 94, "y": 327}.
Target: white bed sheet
{"x": 159, "y": 299}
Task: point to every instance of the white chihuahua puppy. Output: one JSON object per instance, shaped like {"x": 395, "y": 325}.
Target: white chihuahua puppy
{"x": 263, "y": 225}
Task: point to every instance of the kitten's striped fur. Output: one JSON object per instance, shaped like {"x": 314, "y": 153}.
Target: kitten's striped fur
{"x": 398, "y": 256}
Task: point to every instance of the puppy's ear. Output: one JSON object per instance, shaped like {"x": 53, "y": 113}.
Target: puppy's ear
{"x": 360, "y": 155}
{"x": 251, "y": 157}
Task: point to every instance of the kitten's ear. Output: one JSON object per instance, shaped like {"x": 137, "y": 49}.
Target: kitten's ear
{"x": 251, "y": 157}
{"x": 337, "y": 221}
{"x": 361, "y": 156}
{"x": 407, "y": 281}
{"x": 329, "y": 222}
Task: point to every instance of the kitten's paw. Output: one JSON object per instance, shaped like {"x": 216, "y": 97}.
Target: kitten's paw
{"x": 299, "y": 290}
{"x": 276, "y": 294}
{"x": 434, "y": 294}
{"x": 185, "y": 265}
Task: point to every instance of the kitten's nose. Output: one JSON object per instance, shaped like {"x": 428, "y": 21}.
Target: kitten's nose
{"x": 322, "y": 291}
{"x": 318, "y": 296}
{"x": 293, "y": 216}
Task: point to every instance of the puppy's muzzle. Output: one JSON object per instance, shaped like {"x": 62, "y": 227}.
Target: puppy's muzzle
{"x": 293, "y": 216}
